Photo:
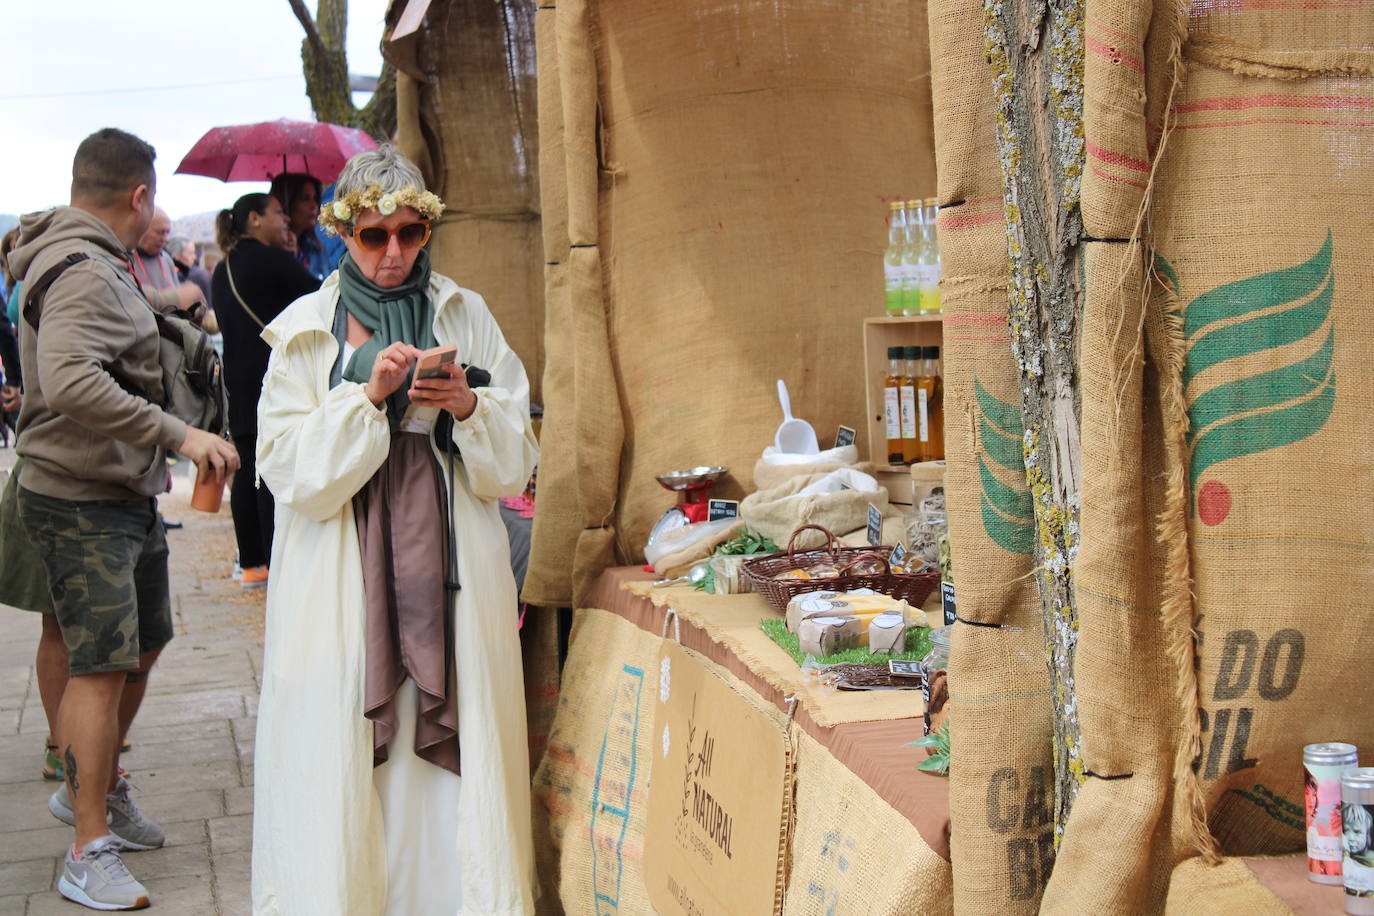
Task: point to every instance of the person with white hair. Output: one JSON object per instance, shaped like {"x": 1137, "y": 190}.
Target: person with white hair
{"x": 392, "y": 720}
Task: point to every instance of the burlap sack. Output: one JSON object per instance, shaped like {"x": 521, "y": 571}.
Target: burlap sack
{"x": 1279, "y": 344}
{"x": 467, "y": 115}
{"x": 591, "y": 788}
{"x": 851, "y": 852}
{"x": 769, "y": 474}
{"x": 1200, "y": 889}
{"x": 711, "y": 271}
{"x": 1001, "y": 782}
{"x": 780, "y": 511}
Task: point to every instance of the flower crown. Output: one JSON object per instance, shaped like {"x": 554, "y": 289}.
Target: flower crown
{"x": 345, "y": 208}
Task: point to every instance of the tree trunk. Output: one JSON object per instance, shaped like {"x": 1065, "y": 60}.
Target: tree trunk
{"x": 327, "y": 82}
{"x": 1035, "y": 49}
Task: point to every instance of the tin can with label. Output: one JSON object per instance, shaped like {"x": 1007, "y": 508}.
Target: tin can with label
{"x": 1323, "y": 766}
{"x": 1357, "y": 838}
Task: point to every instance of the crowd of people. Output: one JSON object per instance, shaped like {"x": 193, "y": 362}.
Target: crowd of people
{"x": 366, "y": 495}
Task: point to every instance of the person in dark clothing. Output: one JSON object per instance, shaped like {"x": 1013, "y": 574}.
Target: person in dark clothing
{"x": 250, "y": 287}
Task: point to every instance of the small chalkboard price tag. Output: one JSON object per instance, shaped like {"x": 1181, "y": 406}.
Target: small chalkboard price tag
{"x": 898, "y": 554}
{"x": 875, "y": 525}
{"x": 722, "y": 508}
{"x": 900, "y": 667}
{"x": 845, "y": 436}
{"x": 947, "y": 600}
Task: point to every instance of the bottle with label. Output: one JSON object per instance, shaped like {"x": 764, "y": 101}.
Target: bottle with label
{"x": 930, "y": 417}
{"x": 911, "y": 446}
{"x": 893, "y": 270}
{"x": 929, "y": 265}
{"x": 911, "y": 271}
{"x": 892, "y": 410}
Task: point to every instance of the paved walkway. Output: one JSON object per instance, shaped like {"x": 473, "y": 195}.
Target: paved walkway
{"x": 192, "y": 757}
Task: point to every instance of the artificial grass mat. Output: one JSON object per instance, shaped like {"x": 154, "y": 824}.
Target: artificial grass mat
{"x": 917, "y": 641}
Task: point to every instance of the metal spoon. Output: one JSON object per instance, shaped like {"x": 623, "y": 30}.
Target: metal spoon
{"x": 694, "y": 575}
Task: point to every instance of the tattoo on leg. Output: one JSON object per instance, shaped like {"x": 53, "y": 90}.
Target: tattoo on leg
{"x": 71, "y": 768}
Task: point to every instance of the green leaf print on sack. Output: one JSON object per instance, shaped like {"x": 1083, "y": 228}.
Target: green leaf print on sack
{"x": 1008, "y": 517}
{"x": 1265, "y": 410}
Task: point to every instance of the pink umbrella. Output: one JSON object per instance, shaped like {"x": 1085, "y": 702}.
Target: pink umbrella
{"x": 258, "y": 152}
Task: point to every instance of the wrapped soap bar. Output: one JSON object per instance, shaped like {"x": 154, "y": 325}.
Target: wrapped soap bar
{"x": 887, "y": 634}
{"x": 808, "y": 604}
{"x": 845, "y": 604}
{"x": 821, "y": 636}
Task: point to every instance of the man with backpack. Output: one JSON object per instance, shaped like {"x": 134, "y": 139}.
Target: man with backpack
{"x": 94, "y": 442}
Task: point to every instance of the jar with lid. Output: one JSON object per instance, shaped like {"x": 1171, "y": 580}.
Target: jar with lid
{"x": 933, "y": 668}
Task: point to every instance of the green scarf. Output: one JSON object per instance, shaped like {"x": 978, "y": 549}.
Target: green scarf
{"x": 401, "y": 313}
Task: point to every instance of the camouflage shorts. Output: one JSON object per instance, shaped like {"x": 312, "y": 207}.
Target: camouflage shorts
{"x": 107, "y": 570}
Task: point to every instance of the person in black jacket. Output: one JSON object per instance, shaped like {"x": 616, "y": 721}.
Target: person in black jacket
{"x": 251, "y": 286}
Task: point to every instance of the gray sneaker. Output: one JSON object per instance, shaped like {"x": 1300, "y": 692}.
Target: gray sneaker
{"x": 99, "y": 880}
{"x": 127, "y": 823}
{"x": 134, "y": 831}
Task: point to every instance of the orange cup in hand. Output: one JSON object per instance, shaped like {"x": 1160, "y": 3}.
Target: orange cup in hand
{"x": 209, "y": 490}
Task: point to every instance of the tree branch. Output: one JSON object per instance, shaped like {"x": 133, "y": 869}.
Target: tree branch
{"x": 312, "y": 34}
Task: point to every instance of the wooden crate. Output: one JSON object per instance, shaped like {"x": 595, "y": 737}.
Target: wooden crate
{"x": 879, "y": 334}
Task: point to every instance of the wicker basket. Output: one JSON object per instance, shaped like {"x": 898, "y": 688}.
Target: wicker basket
{"x": 912, "y": 588}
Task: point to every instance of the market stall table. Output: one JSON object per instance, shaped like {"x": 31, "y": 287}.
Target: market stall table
{"x": 868, "y": 833}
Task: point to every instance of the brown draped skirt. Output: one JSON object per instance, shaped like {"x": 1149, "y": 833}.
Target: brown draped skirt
{"x": 403, "y": 534}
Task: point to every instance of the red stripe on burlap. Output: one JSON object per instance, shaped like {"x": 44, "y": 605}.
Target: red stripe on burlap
{"x": 1130, "y": 181}
{"x": 1114, "y": 54}
{"x": 1121, "y": 159}
{"x": 1252, "y": 121}
{"x": 1273, "y": 100}
{"x": 1115, "y": 33}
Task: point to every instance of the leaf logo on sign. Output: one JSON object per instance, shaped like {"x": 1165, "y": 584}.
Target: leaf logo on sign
{"x": 1265, "y": 410}
{"x": 1008, "y": 517}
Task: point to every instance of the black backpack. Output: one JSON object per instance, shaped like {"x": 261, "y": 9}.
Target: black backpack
{"x": 192, "y": 374}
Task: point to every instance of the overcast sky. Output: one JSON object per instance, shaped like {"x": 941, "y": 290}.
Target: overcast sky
{"x": 74, "y": 66}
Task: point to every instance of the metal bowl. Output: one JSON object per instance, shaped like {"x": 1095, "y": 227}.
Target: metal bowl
{"x": 691, "y": 478}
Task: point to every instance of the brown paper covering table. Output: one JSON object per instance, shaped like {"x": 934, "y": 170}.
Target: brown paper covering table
{"x": 874, "y": 749}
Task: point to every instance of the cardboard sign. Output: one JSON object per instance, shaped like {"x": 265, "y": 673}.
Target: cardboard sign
{"x": 721, "y": 508}
{"x": 875, "y": 525}
{"x": 845, "y": 436}
{"x": 947, "y": 600}
{"x": 714, "y": 836}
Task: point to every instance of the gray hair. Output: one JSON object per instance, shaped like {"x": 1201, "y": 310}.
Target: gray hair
{"x": 175, "y": 244}
{"x": 384, "y": 167}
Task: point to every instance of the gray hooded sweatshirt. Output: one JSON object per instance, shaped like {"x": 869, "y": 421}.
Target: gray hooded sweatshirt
{"x": 82, "y": 435}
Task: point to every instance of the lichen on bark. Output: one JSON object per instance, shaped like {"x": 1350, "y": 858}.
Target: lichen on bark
{"x": 1035, "y": 53}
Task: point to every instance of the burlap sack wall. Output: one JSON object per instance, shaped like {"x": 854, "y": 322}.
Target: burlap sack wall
{"x": 466, "y": 113}
{"x": 726, "y": 219}
{"x": 1263, "y": 217}
{"x": 1001, "y": 783}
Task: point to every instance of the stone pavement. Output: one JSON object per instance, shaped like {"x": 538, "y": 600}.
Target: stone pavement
{"x": 192, "y": 757}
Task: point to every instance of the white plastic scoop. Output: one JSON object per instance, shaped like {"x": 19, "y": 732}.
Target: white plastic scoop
{"x": 794, "y": 437}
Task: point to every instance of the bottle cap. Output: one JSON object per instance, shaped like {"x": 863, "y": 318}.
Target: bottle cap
{"x": 930, "y": 353}
{"x": 894, "y": 353}
{"x": 914, "y": 203}
{"x": 911, "y": 353}
{"x": 930, "y": 202}
{"x": 896, "y": 205}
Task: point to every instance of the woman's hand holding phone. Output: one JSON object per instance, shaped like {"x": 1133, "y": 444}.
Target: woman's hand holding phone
{"x": 449, "y": 392}
{"x": 389, "y": 371}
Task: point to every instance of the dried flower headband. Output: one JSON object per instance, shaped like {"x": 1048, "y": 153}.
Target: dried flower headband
{"x": 345, "y": 208}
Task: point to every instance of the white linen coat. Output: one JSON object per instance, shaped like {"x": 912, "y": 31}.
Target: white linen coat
{"x": 318, "y": 842}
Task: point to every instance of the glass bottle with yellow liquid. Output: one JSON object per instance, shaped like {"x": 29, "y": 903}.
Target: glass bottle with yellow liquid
{"x": 911, "y": 446}
{"x": 892, "y": 405}
{"x": 928, "y": 260}
{"x": 894, "y": 271}
{"x": 930, "y": 420}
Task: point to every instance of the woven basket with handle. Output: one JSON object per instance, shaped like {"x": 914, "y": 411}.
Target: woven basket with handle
{"x": 909, "y": 587}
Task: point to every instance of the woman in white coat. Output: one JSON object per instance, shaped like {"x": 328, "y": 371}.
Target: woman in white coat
{"x": 392, "y": 772}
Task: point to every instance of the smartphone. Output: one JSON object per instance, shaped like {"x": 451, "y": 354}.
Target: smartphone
{"x": 431, "y": 363}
